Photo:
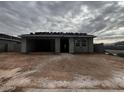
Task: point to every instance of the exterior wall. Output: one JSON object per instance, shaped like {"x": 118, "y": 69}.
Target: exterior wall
{"x": 24, "y": 45}
{"x": 78, "y": 48}
{"x": 2, "y": 46}
{"x": 9, "y": 46}
{"x": 27, "y": 45}
{"x": 71, "y": 45}
{"x": 82, "y": 48}
{"x": 57, "y": 45}
{"x": 90, "y": 45}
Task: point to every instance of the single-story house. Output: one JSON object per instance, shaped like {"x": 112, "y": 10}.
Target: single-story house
{"x": 9, "y": 43}
{"x": 57, "y": 42}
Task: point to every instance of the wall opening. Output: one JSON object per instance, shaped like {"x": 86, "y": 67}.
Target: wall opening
{"x": 43, "y": 45}
{"x": 64, "y": 45}
{"x": 6, "y": 48}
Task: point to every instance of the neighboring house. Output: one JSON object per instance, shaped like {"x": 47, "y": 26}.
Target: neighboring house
{"x": 115, "y": 46}
{"x": 57, "y": 42}
{"x": 9, "y": 43}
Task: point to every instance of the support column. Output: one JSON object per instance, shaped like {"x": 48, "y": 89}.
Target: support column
{"x": 24, "y": 45}
{"x": 71, "y": 45}
{"x": 90, "y": 45}
{"x": 57, "y": 45}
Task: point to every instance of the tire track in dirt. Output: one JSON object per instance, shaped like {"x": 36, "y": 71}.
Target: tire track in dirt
{"x": 56, "y": 58}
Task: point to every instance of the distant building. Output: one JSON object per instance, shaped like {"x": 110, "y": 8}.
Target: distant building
{"x": 57, "y": 42}
{"x": 99, "y": 48}
{"x": 9, "y": 43}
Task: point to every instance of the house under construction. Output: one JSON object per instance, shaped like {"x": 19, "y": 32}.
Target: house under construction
{"x": 57, "y": 42}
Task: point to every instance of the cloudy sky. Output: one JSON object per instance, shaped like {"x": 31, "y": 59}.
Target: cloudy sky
{"x": 105, "y": 19}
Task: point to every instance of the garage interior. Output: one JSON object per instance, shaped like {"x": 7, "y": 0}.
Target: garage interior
{"x": 42, "y": 45}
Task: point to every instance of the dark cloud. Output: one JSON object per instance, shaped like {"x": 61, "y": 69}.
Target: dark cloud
{"x": 103, "y": 19}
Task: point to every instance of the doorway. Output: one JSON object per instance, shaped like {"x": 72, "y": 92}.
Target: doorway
{"x": 64, "y": 45}
{"x": 6, "y": 48}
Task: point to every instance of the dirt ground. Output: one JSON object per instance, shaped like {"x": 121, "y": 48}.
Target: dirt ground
{"x": 28, "y": 72}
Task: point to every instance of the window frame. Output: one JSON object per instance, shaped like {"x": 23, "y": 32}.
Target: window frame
{"x": 77, "y": 42}
{"x": 84, "y": 42}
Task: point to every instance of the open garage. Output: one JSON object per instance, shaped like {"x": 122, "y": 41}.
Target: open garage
{"x": 41, "y": 45}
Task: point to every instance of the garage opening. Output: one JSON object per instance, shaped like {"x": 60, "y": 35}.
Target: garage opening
{"x": 44, "y": 45}
{"x": 64, "y": 45}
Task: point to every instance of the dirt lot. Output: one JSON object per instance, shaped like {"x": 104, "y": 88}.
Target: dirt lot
{"x": 28, "y": 72}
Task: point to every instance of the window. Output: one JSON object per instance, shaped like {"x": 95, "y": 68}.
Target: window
{"x": 77, "y": 43}
{"x": 80, "y": 42}
{"x": 83, "y": 42}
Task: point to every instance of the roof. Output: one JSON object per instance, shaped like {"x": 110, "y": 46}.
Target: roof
{"x": 8, "y": 37}
{"x": 56, "y": 34}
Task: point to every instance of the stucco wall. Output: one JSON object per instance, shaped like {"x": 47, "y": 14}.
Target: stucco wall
{"x": 79, "y": 48}
{"x": 24, "y": 45}
{"x": 57, "y": 45}
{"x": 90, "y": 45}
{"x": 9, "y": 46}
{"x": 71, "y": 45}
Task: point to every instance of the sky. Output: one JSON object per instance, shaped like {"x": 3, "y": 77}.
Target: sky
{"x": 104, "y": 19}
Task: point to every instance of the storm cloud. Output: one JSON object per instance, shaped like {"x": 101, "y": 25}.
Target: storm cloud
{"x": 104, "y": 19}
